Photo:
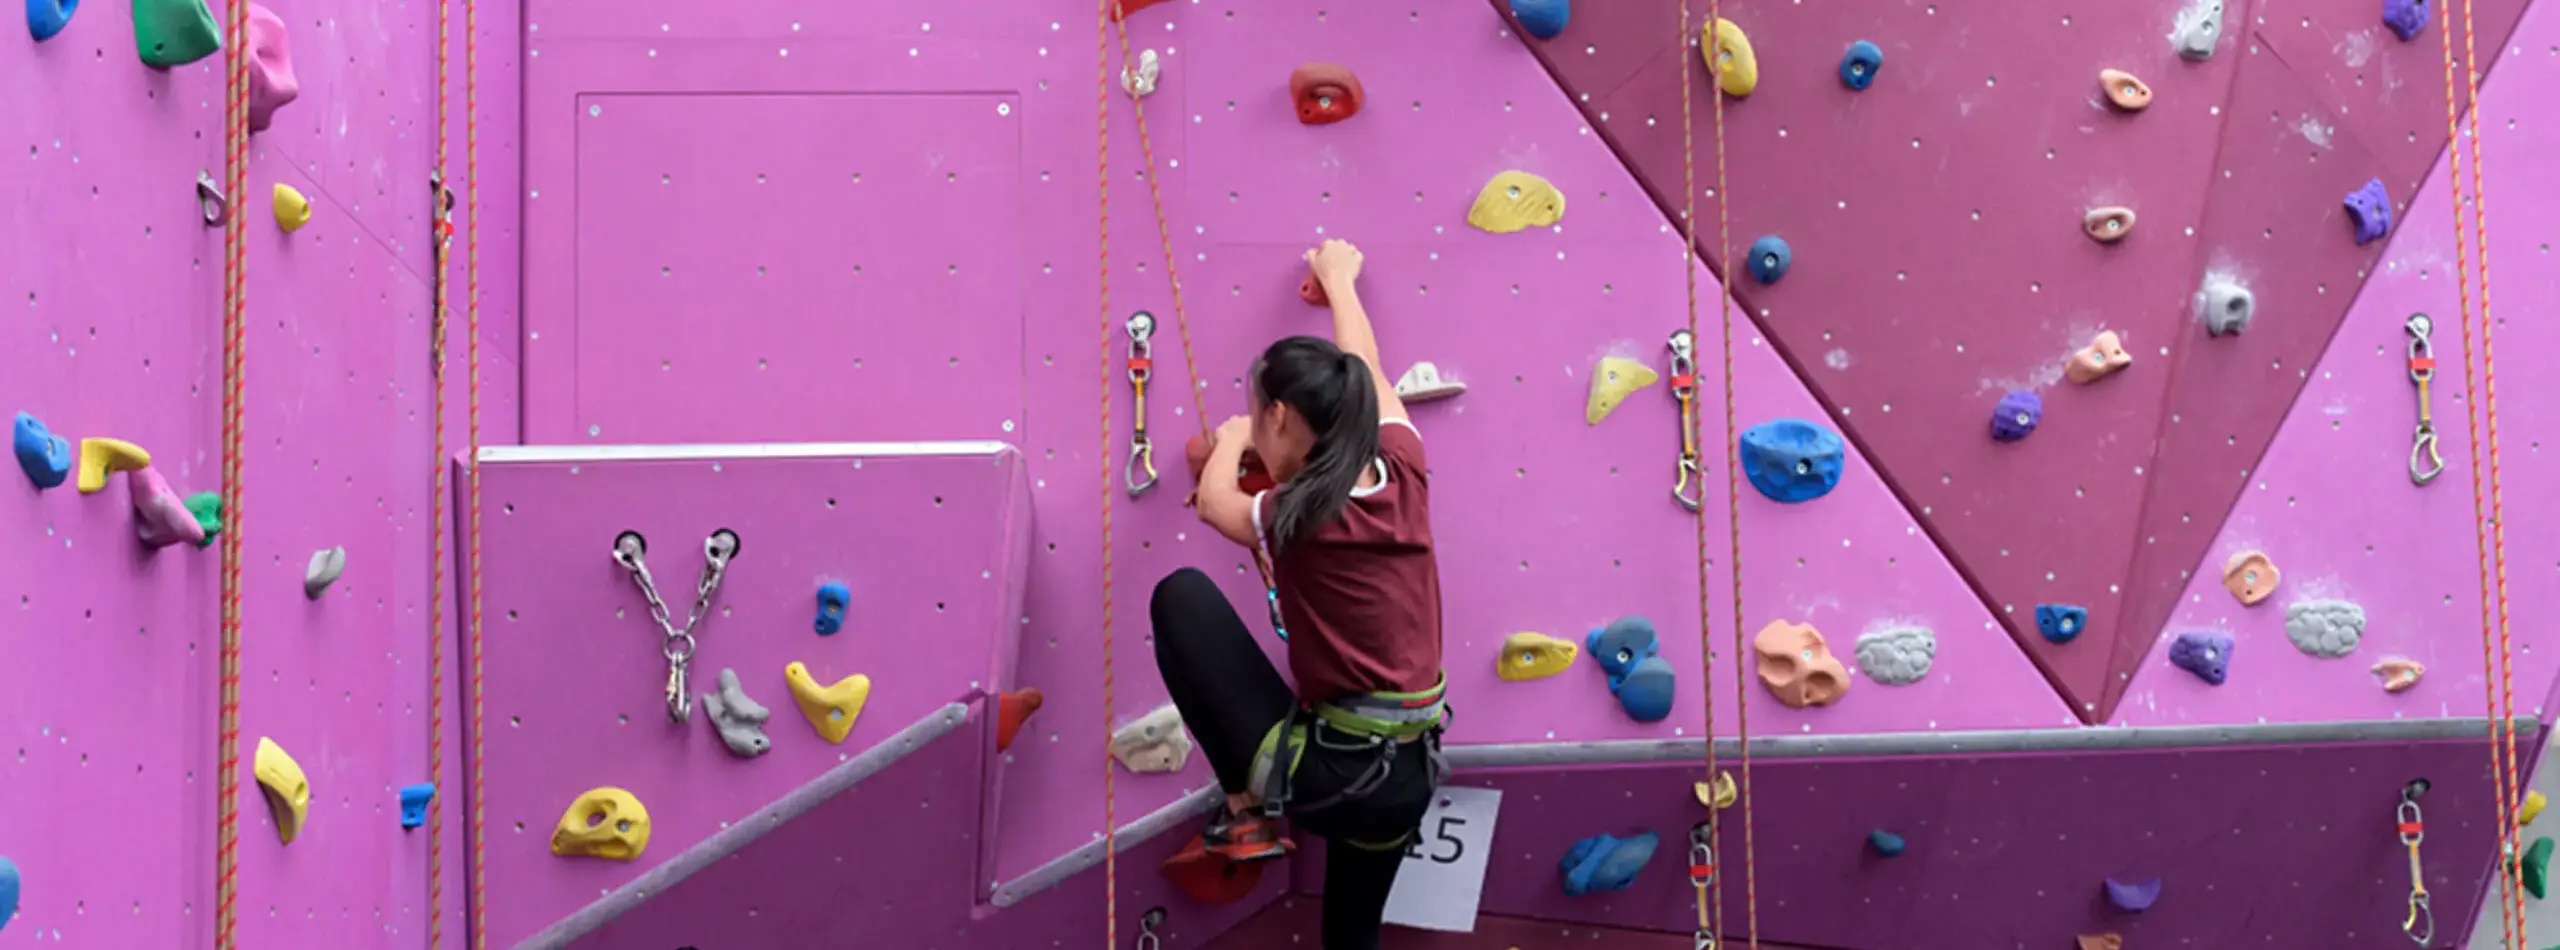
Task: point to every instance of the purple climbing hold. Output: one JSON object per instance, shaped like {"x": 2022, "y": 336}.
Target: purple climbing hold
{"x": 2207, "y": 655}
{"x": 2133, "y": 898}
{"x": 2370, "y": 208}
{"x": 2406, "y": 18}
{"x": 2016, "y": 415}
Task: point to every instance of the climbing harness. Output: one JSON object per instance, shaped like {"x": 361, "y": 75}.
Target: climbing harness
{"x": 1147, "y": 925}
{"x": 2421, "y": 923}
{"x": 1702, "y": 872}
{"x": 1374, "y": 723}
{"x": 1142, "y": 367}
{"x": 2424, "y": 462}
{"x": 631, "y": 551}
{"x": 209, "y": 199}
{"x": 1684, "y": 387}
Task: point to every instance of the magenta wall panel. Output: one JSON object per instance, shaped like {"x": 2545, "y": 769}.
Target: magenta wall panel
{"x": 2409, "y": 555}
{"x": 928, "y": 538}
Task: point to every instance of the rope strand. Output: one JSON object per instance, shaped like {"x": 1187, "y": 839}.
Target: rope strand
{"x": 471, "y": 326}
{"x": 235, "y": 120}
{"x": 436, "y": 523}
{"x": 1709, "y": 914}
{"x": 1110, "y": 697}
{"x": 1733, "y": 510}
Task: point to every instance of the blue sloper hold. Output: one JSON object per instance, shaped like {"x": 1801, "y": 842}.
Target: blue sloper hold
{"x": 46, "y": 18}
{"x": 2207, "y": 655}
{"x": 46, "y": 457}
{"x": 8, "y": 891}
{"x": 2061, "y": 623}
{"x": 1603, "y": 863}
{"x": 2370, "y": 208}
{"x": 1622, "y": 644}
{"x": 1885, "y": 842}
{"x": 1792, "y": 460}
{"x": 1647, "y": 690}
{"x": 2017, "y": 415}
{"x": 1542, "y": 18}
{"x": 2133, "y": 898}
{"x": 1858, "y": 66}
{"x": 413, "y": 803}
{"x": 1770, "y": 259}
{"x": 832, "y": 599}
{"x": 2406, "y": 18}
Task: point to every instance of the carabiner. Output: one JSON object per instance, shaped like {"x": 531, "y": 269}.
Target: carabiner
{"x": 1142, "y": 457}
{"x": 1147, "y": 924}
{"x": 1142, "y": 367}
{"x": 2425, "y": 463}
{"x": 1680, "y": 492}
{"x": 2420, "y": 914}
{"x": 209, "y": 200}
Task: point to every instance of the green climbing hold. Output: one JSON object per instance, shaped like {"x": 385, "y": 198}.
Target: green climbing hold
{"x": 174, "y": 32}
{"x": 207, "y": 507}
{"x": 2535, "y": 869}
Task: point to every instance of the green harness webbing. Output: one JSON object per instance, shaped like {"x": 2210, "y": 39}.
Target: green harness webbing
{"x": 1380, "y": 721}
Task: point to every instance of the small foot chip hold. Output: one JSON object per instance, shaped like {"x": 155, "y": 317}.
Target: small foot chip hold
{"x": 2107, "y": 225}
{"x": 2124, "y": 90}
{"x": 1792, "y": 460}
{"x": 603, "y": 822}
{"x": 2017, "y": 415}
{"x": 2369, "y": 207}
{"x": 2406, "y": 18}
{"x": 2328, "y": 629}
{"x": 832, "y": 708}
{"x": 2061, "y": 623}
{"x": 2199, "y": 29}
{"x": 1516, "y": 201}
{"x": 2103, "y": 357}
{"x": 1153, "y": 744}
{"x": 414, "y": 800}
{"x": 2399, "y": 673}
{"x": 1139, "y": 80}
{"x": 324, "y": 569}
{"x": 1423, "y": 383}
{"x": 1527, "y": 656}
{"x": 1770, "y": 258}
{"x": 169, "y": 33}
{"x": 2251, "y": 577}
{"x": 44, "y": 456}
{"x": 1604, "y": 863}
{"x": 1796, "y": 665}
{"x": 287, "y": 790}
{"x": 737, "y": 718}
{"x": 832, "y": 599}
{"x": 1886, "y": 843}
{"x": 1617, "y": 378}
{"x": 292, "y": 209}
{"x": 1859, "y": 65}
{"x": 1897, "y": 656}
{"x": 100, "y": 458}
{"x": 1014, "y": 708}
{"x": 272, "y": 85}
{"x": 1325, "y": 93}
{"x": 2225, "y": 306}
{"x": 159, "y": 515}
{"x": 1727, "y": 53}
{"x": 2133, "y": 897}
{"x": 207, "y": 508}
{"x": 45, "y": 20}
{"x": 1542, "y": 18}
{"x": 2207, "y": 655}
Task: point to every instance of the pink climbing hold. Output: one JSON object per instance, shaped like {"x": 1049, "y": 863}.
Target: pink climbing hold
{"x": 159, "y": 515}
{"x": 271, "y": 81}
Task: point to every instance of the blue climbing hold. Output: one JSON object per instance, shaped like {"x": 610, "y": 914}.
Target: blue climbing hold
{"x": 45, "y": 18}
{"x": 1603, "y": 863}
{"x": 1621, "y": 645}
{"x": 2017, "y": 415}
{"x": 2133, "y": 898}
{"x": 1646, "y": 691}
{"x": 832, "y": 599}
{"x": 1885, "y": 842}
{"x": 2370, "y": 208}
{"x": 2207, "y": 655}
{"x": 1858, "y": 66}
{"x": 2061, "y": 623}
{"x": 413, "y": 803}
{"x": 1770, "y": 259}
{"x": 1542, "y": 18}
{"x": 2406, "y": 18}
{"x": 1791, "y": 460}
{"x": 45, "y": 456}
{"x": 8, "y": 891}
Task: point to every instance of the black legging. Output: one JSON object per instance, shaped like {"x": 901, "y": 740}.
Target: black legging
{"x": 1230, "y": 696}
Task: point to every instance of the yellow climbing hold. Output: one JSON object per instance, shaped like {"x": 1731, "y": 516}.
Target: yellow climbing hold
{"x": 100, "y": 458}
{"x": 1516, "y": 201}
{"x": 604, "y": 822}
{"x": 287, "y": 790}
{"x": 292, "y": 209}
{"x": 1528, "y": 656}
{"x": 2533, "y": 802}
{"x": 1616, "y": 378}
{"x": 1728, "y": 52}
{"x": 830, "y": 708}
{"x": 1719, "y": 797}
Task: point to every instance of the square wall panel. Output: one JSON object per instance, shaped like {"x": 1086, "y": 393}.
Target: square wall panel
{"x": 780, "y": 267}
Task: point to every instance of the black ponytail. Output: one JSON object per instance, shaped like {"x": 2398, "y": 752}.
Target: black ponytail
{"x": 1338, "y": 397}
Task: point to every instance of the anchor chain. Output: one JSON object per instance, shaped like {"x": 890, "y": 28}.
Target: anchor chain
{"x": 631, "y": 550}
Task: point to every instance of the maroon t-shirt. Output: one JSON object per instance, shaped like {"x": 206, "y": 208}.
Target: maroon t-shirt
{"x": 1361, "y": 595}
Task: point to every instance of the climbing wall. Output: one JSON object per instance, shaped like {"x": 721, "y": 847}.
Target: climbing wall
{"x": 107, "y": 791}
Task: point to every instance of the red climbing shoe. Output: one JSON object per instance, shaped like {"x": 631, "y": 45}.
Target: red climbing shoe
{"x": 1244, "y": 838}
{"x": 1209, "y": 877}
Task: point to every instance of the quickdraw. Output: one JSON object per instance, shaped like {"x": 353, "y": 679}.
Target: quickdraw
{"x": 631, "y": 551}
{"x": 1684, "y": 387}
{"x": 1142, "y": 367}
{"x": 1147, "y": 925}
{"x": 1702, "y": 873}
{"x": 2421, "y": 922}
{"x": 2424, "y": 461}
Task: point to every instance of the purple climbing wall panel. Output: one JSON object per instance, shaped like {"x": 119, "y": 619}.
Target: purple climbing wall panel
{"x": 928, "y": 538}
{"x": 110, "y": 764}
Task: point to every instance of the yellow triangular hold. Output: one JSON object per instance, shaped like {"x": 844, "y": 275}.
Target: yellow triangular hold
{"x": 832, "y": 709}
{"x": 292, "y": 209}
{"x": 1610, "y": 384}
{"x": 287, "y": 790}
{"x": 100, "y": 458}
{"x": 2533, "y": 804}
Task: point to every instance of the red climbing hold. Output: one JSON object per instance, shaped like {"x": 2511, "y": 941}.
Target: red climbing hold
{"x": 1209, "y": 877}
{"x": 1011, "y": 709}
{"x": 1325, "y": 93}
{"x": 1122, "y": 9}
{"x": 1254, "y": 480}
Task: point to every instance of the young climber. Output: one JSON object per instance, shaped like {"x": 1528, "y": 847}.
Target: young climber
{"x": 1348, "y": 533}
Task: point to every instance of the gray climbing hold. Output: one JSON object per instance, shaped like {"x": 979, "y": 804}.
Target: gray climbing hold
{"x": 738, "y": 719}
{"x": 1897, "y": 656}
{"x": 2199, "y": 29}
{"x": 2324, "y": 628}
{"x": 2225, "y": 306}
{"x": 324, "y": 570}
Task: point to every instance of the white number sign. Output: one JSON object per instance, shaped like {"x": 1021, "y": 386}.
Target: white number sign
{"x": 1443, "y": 875}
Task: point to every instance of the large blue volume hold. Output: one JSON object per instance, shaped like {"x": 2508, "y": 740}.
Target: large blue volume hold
{"x": 1770, "y": 259}
{"x": 1791, "y": 460}
{"x": 1603, "y": 863}
{"x": 1542, "y": 18}
{"x": 46, "y": 18}
{"x": 1858, "y": 66}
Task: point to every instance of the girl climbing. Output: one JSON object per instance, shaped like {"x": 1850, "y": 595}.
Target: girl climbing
{"x": 1352, "y": 755}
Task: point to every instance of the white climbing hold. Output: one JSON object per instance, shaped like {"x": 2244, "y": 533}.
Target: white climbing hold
{"x": 1139, "y": 81}
{"x": 1897, "y": 656}
{"x": 1423, "y": 383}
{"x": 2324, "y": 628}
{"x": 324, "y": 570}
{"x": 1154, "y": 743}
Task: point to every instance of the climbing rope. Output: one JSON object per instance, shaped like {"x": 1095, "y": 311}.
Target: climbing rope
{"x": 2489, "y": 529}
{"x": 1110, "y": 696}
{"x": 1704, "y": 839}
{"x": 235, "y": 137}
{"x": 436, "y": 523}
{"x": 471, "y": 545}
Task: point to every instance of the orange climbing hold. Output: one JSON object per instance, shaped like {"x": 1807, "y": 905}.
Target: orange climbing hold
{"x": 1011, "y": 709}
